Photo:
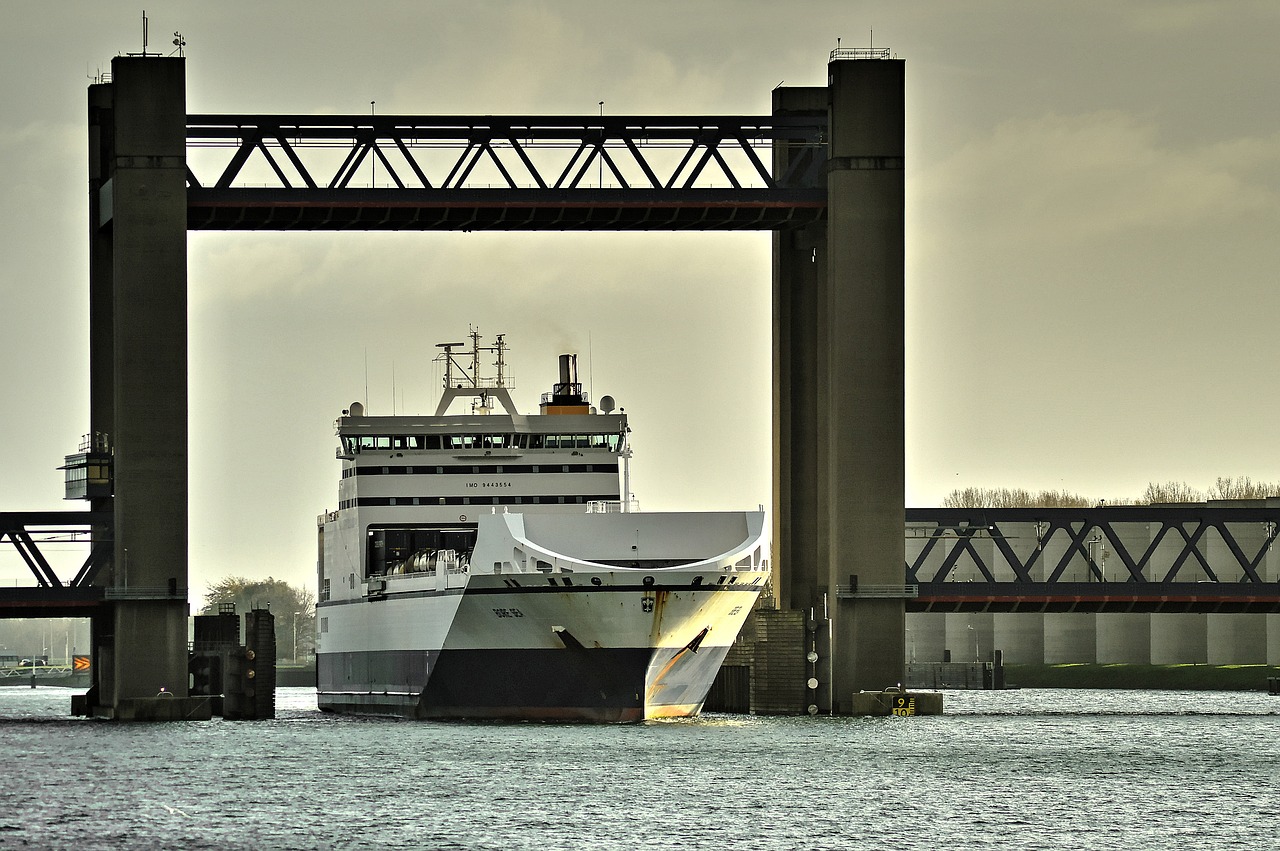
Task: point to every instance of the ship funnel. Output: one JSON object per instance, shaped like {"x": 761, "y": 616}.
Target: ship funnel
{"x": 566, "y": 396}
{"x": 568, "y": 369}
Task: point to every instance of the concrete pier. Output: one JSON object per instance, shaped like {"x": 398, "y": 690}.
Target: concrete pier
{"x": 1179, "y": 639}
{"x": 1124, "y": 638}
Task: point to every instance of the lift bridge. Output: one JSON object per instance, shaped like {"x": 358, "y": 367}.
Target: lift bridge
{"x": 823, "y": 172}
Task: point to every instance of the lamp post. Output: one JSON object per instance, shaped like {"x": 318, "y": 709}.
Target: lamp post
{"x": 977, "y": 657}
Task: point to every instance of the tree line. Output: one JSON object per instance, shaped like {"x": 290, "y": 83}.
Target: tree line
{"x": 1157, "y": 493}
{"x": 294, "y": 610}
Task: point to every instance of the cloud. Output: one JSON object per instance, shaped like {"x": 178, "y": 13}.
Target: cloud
{"x": 1059, "y": 181}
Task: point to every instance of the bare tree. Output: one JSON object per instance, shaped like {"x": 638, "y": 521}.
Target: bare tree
{"x": 1013, "y": 498}
{"x": 1242, "y": 487}
{"x": 1161, "y": 492}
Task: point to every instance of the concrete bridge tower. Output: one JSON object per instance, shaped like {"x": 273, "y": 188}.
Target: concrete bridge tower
{"x": 838, "y": 378}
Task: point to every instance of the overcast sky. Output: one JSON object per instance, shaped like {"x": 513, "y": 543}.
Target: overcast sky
{"x": 1092, "y": 245}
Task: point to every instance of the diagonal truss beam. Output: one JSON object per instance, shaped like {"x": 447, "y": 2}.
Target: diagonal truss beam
{"x": 507, "y": 172}
{"x": 21, "y": 528}
{"x": 1167, "y": 539}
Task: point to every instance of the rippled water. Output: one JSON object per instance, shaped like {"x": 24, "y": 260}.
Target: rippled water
{"x": 1022, "y": 769}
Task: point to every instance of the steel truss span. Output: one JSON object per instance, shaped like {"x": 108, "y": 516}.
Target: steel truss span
{"x": 1192, "y": 558}
{"x": 284, "y": 172}
{"x": 52, "y": 596}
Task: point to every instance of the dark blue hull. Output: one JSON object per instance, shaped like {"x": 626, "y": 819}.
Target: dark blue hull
{"x": 572, "y": 684}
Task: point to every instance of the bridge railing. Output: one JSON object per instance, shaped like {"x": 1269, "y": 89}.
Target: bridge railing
{"x": 877, "y": 592}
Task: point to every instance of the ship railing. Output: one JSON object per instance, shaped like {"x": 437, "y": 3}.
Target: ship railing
{"x": 409, "y": 574}
{"x": 877, "y": 592}
{"x": 614, "y": 506}
{"x": 861, "y": 53}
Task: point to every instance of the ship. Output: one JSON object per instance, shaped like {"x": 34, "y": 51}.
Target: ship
{"x": 487, "y": 564}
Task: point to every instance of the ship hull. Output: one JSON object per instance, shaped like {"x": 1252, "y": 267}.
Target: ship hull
{"x": 615, "y": 685}
{"x": 529, "y": 630}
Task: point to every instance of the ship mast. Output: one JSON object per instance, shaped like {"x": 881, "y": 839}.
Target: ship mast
{"x": 463, "y": 379}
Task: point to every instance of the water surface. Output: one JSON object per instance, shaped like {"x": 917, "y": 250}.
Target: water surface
{"x": 1021, "y": 769}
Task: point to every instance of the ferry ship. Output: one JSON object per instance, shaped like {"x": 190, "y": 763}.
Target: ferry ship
{"x": 489, "y": 564}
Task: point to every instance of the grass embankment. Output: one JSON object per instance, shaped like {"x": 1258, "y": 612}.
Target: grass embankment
{"x": 1173, "y": 677}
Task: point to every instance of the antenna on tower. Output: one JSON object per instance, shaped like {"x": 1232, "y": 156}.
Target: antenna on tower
{"x": 144, "y": 32}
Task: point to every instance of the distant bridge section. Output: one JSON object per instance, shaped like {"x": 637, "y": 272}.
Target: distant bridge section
{"x": 284, "y": 172}
{"x": 1209, "y": 558}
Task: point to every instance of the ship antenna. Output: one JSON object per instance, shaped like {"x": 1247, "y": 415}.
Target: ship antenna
{"x": 475, "y": 357}
{"x": 500, "y": 363}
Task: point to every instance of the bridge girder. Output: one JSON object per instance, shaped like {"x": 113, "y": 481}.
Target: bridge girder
{"x": 280, "y": 172}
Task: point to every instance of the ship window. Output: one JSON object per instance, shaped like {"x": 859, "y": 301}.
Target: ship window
{"x": 406, "y": 441}
{"x": 598, "y": 441}
{"x": 613, "y": 441}
{"x": 542, "y": 566}
{"x": 497, "y": 441}
{"x": 537, "y": 441}
{"x": 534, "y": 469}
{"x": 582, "y": 441}
{"x": 433, "y": 441}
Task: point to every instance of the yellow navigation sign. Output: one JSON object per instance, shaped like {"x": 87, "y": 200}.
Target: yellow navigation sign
{"x": 80, "y": 664}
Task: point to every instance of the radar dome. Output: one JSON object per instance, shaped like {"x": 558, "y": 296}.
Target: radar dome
{"x": 357, "y": 409}
{"x": 606, "y": 404}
